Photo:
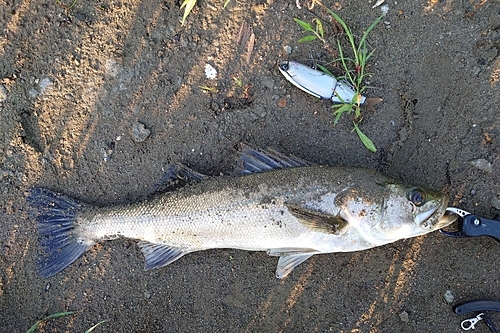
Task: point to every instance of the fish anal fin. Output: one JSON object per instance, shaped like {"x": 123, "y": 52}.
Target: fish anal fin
{"x": 287, "y": 263}
{"x": 332, "y": 224}
{"x": 159, "y": 255}
{"x": 290, "y": 258}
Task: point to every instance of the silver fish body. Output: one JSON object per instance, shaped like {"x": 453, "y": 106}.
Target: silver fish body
{"x": 292, "y": 213}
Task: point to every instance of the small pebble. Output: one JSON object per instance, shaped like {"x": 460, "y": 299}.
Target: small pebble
{"x": 112, "y": 67}
{"x": 210, "y": 72}
{"x": 404, "y": 317}
{"x": 384, "y": 9}
{"x": 482, "y": 165}
{"x": 32, "y": 92}
{"x": 3, "y": 93}
{"x": 281, "y": 102}
{"x": 44, "y": 84}
{"x": 288, "y": 49}
{"x": 448, "y": 296}
{"x": 6, "y": 174}
{"x": 495, "y": 202}
{"x": 147, "y": 294}
{"x": 140, "y": 132}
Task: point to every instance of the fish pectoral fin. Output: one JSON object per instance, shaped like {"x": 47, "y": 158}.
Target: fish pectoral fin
{"x": 288, "y": 262}
{"x": 289, "y": 251}
{"x": 317, "y": 220}
{"x": 159, "y": 255}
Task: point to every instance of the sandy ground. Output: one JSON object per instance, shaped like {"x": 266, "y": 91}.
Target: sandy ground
{"x": 74, "y": 83}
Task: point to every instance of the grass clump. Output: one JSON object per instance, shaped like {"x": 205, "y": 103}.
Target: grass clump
{"x": 353, "y": 66}
{"x": 66, "y": 6}
{"x": 56, "y": 315}
{"x": 188, "y": 6}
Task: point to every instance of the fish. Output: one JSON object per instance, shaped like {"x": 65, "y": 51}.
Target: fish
{"x": 283, "y": 205}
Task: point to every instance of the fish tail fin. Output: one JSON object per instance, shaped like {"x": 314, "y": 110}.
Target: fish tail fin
{"x": 55, "y": 215}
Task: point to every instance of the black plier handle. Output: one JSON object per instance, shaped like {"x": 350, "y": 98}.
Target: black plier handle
{"x": 477, "y": 306}
{"x": 472, "y": 225}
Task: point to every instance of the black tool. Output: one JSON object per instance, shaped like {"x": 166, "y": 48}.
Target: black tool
{"x": 472, "y": 225}
{"x": 477, "y": 306}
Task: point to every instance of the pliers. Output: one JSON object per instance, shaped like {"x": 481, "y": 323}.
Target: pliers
{"x": 477, "y": 306}
{"x": 471, "y": 225}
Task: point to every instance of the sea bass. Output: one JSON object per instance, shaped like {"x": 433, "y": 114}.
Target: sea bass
{"x": 280, "y": 205}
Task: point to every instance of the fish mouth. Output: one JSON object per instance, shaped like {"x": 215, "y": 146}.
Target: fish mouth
{"x": 436, "y": 217}
{"x": 447, "y": 219}
{"x": 424, "y": 216}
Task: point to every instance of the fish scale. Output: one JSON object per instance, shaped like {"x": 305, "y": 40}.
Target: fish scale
{"x": 237, "y": 214}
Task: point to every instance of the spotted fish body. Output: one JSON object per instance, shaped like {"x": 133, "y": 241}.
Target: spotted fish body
{"x": 290, "y": 210}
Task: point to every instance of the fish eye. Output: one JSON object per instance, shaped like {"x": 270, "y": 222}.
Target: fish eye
{"x": 284, "y": 66}
{"x": 416, "y": 196}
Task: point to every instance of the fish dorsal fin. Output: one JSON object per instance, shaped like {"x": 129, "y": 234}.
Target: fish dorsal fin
{"x": 317, "y": 220}
{"x": 255, "y": 160}
{"x": 159, "y": 255}
{"x": 177, "y": 175}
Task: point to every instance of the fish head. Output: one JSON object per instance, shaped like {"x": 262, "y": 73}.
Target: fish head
{"x": 429, "y": 208}
{"x": 412, "y": 211}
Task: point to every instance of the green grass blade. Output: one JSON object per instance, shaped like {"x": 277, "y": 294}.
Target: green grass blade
{"x": 369, "y": 55}
{"x": 345, "y": 59}
{"x": 370, "y": 28}
{"x": 226, "y": 2}
{"x": 92, "y": 328}
{"x": 366, "y": 140}
{"x": 357, "y": 111}
{"x": 338, "y": 19}
{"x": 344, "y": 63}
{"x": 211, "y": 89}
{"x": 346, "y": 30}
{"x": 237, "y": 82}
{"x": 189, "y": 4}
{"x": 319, "y": 28}
{"x": 67, "y": 7}
{"x": 55, "y": 315}
{"x": 306, "y": 26}
{"x": 307, "y": 39}
{"x": 341, "y": 108}
{"x": 325, "y": 70}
